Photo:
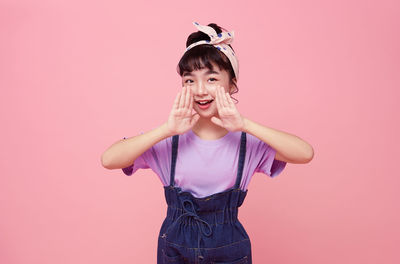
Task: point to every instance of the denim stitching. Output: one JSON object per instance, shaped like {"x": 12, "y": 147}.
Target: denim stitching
{"x": 240, "y": 241}
{"x": 216, "y": 211}
{"x": 226, "y": 222}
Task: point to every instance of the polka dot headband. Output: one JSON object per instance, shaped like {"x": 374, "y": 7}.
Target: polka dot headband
{"x": 220, "y": 41}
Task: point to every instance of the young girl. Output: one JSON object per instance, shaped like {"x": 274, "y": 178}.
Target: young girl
{"x": 205, "y": 160}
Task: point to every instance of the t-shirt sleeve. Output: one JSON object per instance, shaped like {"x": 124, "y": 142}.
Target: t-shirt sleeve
{"x": 139, "y": 163}
{"x": 267, "y": 162}
{"x": 156, "y": 158}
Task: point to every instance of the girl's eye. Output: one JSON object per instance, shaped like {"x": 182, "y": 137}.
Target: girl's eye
{"x": 190, "y": 81}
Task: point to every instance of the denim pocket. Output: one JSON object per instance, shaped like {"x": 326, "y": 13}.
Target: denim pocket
{"x": 172, "y": 260}
{"x": 238, "y": 261}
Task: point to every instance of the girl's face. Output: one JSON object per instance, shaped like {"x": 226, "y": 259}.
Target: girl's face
{"x": 203, "y": 84}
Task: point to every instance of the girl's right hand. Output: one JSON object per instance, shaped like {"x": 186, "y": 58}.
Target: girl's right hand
{"x": 180, "y": 118}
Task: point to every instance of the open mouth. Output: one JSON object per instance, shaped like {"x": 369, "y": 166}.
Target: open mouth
{"x": 204, "y": 102}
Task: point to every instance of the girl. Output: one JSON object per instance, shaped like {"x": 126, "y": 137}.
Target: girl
{"x": 205, "y": 160}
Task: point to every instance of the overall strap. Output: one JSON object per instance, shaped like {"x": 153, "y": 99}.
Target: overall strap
{"x": 175, "y": 140}
{"x": 242, "y": 155}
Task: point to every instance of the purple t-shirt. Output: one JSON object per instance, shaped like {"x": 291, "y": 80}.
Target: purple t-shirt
{"x": 205, "y": 167}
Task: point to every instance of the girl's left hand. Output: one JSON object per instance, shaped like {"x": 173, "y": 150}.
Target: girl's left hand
{"x": 229, "y": 116}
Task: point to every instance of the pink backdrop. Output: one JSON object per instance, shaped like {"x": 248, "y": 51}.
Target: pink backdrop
{"x": 76, "y": 76}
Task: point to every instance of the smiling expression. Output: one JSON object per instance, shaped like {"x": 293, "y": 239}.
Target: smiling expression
{"x": 203, "y": 84}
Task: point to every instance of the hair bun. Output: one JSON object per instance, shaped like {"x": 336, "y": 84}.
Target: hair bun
{"x": 197, "y": 36}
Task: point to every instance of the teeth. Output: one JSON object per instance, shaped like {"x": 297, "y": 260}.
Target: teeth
{"x": 205, "y": 102}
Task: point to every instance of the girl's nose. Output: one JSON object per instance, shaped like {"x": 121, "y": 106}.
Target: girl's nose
{"x": 200, "y": 89}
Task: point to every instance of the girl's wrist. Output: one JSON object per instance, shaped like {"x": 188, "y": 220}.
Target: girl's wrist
{"x": 165, "y": 130}
{"x": 245, "y": 125}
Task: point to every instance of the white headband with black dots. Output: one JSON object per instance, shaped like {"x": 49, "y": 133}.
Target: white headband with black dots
{"x": 220, "y": 41}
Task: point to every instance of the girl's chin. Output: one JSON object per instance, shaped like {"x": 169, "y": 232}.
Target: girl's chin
{"x": 205, "y": 113}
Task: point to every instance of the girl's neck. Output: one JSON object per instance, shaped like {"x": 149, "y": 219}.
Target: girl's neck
{"x": 207, "y": 130}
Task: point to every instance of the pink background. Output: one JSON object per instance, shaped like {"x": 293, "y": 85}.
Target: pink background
{"x": 76, "y": 76}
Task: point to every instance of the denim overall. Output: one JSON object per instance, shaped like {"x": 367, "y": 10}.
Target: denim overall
{"x": 204, "y": 230}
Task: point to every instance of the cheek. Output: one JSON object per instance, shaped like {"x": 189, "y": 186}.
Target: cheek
{"x": 211, "y": 89}
{"x": 190, "y": 87}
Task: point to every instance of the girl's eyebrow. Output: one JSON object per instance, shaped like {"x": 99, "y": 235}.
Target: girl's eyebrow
{"x": 211, "y": 72}
{"x": 207, "y": 73}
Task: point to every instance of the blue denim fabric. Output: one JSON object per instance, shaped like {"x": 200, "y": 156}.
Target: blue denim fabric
{"x": 204, "y": 230}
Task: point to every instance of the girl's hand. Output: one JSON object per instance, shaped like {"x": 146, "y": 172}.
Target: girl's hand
{"x": 180, "y": 118}
{"x": 229, "y": 116}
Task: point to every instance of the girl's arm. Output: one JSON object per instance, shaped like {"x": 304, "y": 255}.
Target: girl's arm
{"x": 289, "y": 148}
{"x": 124, "y": 152}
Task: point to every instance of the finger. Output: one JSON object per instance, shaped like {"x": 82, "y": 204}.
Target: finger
{"x": 182, "y": 98}
{"x": 228, "y": 101}
{"x": 231, "y": 103}
{"x": 191, "y": 100}
{"x": 216, "y": 121}
{"x": 176, "y": 101}
{"x": 221, "y": 103}
{"x": 218, "y": 99}
{"x": 224, "y": 100}
{"x": 195, "y": 118}
{"x": 187, "y": 99}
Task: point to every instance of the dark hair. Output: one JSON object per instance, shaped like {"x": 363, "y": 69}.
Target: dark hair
{"x": 202, "y": 56}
